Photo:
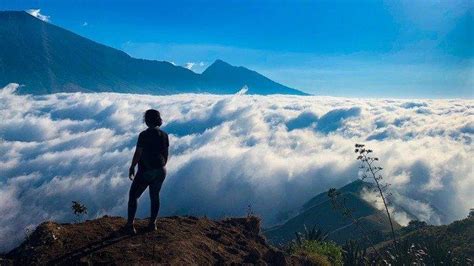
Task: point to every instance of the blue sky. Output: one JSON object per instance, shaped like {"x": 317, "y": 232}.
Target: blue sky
{"x": 400, "y": 49}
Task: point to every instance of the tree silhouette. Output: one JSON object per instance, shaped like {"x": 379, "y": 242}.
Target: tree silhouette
{"x": 78, "y": 209}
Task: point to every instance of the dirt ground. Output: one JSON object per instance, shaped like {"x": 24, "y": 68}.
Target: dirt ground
{"x": 178, "y": 241}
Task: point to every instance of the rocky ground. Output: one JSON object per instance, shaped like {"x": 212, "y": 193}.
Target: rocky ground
{"x": 179, "y": 240}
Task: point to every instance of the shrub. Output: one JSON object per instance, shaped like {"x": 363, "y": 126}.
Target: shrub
{"x": 353, "y": 254}
{"x": 314, "y": 234}
{"x": 422, "y": 253}
{"x": 79, "y": 210}
{"x": 320, "y": 253}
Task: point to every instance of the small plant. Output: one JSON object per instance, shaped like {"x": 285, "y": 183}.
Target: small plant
{"x": 314, "y": 234}
{"x": 319, "y": 251}
{"x": 371, "y": 170}
{"x": 353, "y": 254}
{"x": 250, "y": 212}
{"x": 408, "y": 253}
{"x": 313, "y": 244}
{"x": 79, "y": 209}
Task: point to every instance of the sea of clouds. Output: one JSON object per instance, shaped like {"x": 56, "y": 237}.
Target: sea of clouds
{"x": 228, "y": 152}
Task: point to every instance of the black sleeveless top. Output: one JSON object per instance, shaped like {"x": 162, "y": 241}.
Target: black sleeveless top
{"x": 154, "y": 143}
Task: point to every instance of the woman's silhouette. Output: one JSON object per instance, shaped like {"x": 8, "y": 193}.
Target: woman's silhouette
{"x": 151, "y": 155}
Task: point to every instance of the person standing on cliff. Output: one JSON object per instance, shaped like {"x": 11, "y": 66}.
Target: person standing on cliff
{"x": 151, "y": 155}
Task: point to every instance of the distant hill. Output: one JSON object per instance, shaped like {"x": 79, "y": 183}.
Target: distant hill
{"x": 47, "y": 59}
{"x": 178, "y": 241}
{"x": 319, "y": 212}
{"x": 221, "y": 77}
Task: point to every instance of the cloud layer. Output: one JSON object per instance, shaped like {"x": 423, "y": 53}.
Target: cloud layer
{"x": 227, "y": 152}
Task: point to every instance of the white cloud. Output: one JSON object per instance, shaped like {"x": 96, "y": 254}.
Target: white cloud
{"x": 189, "y": 65}
{"x": 195, "y": 65}
{"x": 272, "y": 152}
{"x": 36, "y": 13}
{"x": 85, "y": 24}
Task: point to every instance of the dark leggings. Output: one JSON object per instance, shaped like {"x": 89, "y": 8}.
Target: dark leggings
{"x": 139, "y": 185}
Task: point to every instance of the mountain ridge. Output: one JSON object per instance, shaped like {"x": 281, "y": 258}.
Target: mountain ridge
{"x": 46, "y": 58}
{"x": 318, "y": 211}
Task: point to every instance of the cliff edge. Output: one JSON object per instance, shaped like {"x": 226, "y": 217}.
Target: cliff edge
{"x": 179, "y": 240}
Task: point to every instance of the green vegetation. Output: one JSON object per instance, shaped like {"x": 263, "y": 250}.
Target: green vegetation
{"x": 313, "y": 245}
{"x": 422, "y": 253}
{"x": 321, "y": 253}
{"x": 353, "y": 254}
{"x": 420, "y": 245}
{"x": 455, "y": 239}
{"x": 416, "y": 244}
{"x": 314, "y": 234}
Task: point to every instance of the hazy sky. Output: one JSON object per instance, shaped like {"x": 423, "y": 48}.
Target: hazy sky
{"x": 342, "y": 48}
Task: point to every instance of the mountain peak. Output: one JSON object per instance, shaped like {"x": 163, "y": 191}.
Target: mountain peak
{"x": 219, "y": 64}
{"x": 179, "y": 240}
{"x": 225, "y": 77}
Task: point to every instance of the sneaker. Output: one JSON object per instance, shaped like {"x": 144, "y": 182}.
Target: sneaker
{"x": 152, "y": 227}
{"x": 130, "y": 229}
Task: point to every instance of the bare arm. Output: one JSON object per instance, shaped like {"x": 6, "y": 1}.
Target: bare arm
{"x": 166, "y": 151}
{"x": 165, "y": 155}
{"x": 136, "y": 158}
